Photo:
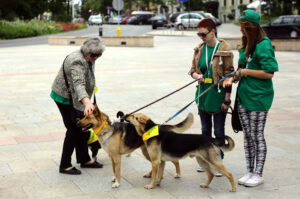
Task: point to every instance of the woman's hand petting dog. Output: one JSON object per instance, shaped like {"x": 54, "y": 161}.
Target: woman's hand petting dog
{"x": 88, "y": 106}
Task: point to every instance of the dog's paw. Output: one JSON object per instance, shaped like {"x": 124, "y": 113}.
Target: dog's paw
{"x": 177, "y": 176}
{"x": 203, "y": 185}
{"x": 115, "y": 185}
{"x": 149, "y": 186}
{"x": 147, "y": 175}
{"x": 113, "y": 179}
{"x": 232, "y": 189}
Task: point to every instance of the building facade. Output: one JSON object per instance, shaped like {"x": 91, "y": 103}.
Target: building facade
{"x": 230, "y": 8}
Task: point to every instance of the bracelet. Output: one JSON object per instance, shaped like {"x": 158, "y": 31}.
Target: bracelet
{"x": 240, "y": 73}
{"x": 227, "y": 102}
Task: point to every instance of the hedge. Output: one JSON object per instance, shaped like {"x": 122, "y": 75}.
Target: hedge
{"x": 20, "y": 29}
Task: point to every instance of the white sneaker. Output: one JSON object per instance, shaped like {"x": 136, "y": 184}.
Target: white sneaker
{"x": 218, "y": 174}
{"x": 200, "y": 169}
{"x": 245, "y": 178}
{"x": 254, "y": 181}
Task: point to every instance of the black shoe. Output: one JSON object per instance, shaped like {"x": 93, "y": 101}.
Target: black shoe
{"x": 93, "y": 165}
{"x": 72, "y": 171}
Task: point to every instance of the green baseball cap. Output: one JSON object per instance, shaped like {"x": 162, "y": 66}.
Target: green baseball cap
{"x": 250, "y": 15}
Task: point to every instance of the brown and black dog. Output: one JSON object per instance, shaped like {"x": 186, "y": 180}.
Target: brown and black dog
{"x": 116, "y": 139}
{"x": 170, "y": 146}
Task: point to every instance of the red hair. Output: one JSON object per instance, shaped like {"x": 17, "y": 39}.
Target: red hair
{"x": 207, "y": 23}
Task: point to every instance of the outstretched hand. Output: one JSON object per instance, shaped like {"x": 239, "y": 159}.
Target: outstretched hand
{"x": 88, "y": 106}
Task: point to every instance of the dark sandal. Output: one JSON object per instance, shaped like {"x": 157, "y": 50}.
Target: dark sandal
{"x": 93, "y": 165}
{"x": 72, "y": 171}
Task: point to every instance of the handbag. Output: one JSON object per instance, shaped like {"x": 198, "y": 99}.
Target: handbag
{"x": 235, "y": 119}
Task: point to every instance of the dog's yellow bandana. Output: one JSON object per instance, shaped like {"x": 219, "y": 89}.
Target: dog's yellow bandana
{"x": 93, "y": 135}
{"x": 151, "y": 133}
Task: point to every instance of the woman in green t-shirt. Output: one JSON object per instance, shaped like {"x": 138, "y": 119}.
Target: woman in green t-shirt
{"x": 212, "y": 61}
{"x": 255, "y": 93}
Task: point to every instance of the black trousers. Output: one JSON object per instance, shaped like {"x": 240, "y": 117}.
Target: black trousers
{"x": 75, "y": 138}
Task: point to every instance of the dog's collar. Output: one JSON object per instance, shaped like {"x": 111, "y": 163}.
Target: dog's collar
{"x": 151, "y": 133}
{"x": 100, "y": 127}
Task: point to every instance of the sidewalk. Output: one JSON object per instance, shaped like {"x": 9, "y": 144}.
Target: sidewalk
{"x": 32, "y": 132}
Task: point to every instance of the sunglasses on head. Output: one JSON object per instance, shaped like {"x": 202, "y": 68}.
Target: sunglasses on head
{"x": 93, "y": 55}
{"x": 201, "y": 34}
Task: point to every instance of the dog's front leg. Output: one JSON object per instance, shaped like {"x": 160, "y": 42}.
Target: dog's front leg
{"x": 155, "y": 167}
{"x": 117, "y": 170}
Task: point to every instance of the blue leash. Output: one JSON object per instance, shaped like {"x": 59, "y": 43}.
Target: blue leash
{"x": 208, "y": 89}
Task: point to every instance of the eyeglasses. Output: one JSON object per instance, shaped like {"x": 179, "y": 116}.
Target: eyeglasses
{"x": 201, "y": 34}
{"x": 95, "y": 55}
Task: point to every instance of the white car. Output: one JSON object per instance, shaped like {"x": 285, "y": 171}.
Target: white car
{"x": 188, "y": 20}
{"x": 95, "y": 19}
{"x": 115, "y": 20}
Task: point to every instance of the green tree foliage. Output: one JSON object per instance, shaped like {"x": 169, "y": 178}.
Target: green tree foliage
{"x": 195, "y": 5}
{"x": 20, "y": 9}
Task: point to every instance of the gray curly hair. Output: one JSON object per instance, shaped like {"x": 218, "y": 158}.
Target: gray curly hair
{"x": 93, "y": 45}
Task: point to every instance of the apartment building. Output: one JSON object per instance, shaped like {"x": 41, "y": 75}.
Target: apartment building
{"x": 229, "y": 7}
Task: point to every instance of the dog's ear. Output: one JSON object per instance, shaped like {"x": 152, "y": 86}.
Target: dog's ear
{"x": 120, "y": 114}
{"x": 149, "y": 124}
{"x": 96, "y": 111}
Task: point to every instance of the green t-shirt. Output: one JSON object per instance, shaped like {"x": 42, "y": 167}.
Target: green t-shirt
{"x": 257, "y": 94}
{"x": 59, "y": 98}
{"x": 213, "y": 99}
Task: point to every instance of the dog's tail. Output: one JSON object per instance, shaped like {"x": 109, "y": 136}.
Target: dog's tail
{"x": 180, "y": 127}
{"x": 229, "y": 146}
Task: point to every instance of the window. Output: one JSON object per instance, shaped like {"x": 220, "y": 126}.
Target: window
{"x": 185, "y": 16}
{"x": 297, "y": 20}
{"x": 232, "y": 2}
{"x": 288, "y": 20}
{"x": 224, "y": 3}
{"x": 251, "y": 1}
{"x": 195, "y": 16}
{"x": 241, "y": 1}
{"x": 277, "y": 21}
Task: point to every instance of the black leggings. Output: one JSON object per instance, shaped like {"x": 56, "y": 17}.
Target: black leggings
{"x": 75, "y": 138}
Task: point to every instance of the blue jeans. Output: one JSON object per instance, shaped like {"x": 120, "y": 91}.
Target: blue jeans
{"x": 219, "y": 125}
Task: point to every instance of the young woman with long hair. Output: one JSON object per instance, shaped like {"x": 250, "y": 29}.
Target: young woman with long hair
{"x": 255, "y": 93}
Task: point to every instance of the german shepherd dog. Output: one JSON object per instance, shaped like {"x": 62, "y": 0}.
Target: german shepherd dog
{"x": 170, "y": 146}
{"x": 116, "y": 139}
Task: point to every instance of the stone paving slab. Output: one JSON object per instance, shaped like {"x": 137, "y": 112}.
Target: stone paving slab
{"x": 32, "y": 132}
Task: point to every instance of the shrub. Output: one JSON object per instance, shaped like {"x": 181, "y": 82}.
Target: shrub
{"x": 19, "y": 29}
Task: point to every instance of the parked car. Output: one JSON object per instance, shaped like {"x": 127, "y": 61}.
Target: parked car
{"x": 159, "y": 21}
{"x": 79, "y": 20}
{"x": 216, "y": 20}
{"x": 95, "y": 20}
{"x": 115, "y": 19}
{"x": 139, "y": 19}
{"x": 172, "y": 18}
{"x": 283, "y": 27}
{"x": 124, "y": 20}
{"x": 188, "y": 20}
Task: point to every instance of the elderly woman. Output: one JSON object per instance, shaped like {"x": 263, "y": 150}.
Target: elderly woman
{"x": 77, "y": 73}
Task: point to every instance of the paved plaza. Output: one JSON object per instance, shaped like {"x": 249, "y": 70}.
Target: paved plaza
{"x": 32, "y": 132}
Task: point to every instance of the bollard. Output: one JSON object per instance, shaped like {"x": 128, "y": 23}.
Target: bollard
{"x": 118, "y": 32}
{"x": 100, "y": 31}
